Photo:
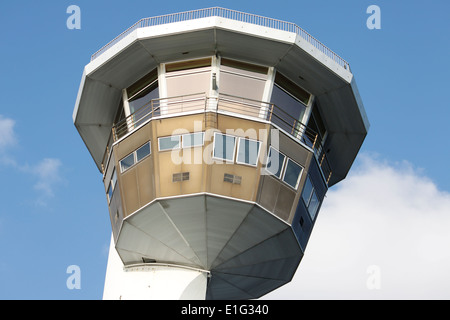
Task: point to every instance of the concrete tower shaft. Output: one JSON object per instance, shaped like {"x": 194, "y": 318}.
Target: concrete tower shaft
{"x": 218, "y": 134}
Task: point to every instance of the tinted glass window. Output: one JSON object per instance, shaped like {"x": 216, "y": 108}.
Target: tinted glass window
{"x": 292, "y": 174}
{"x": 193, "y": 140}
{"x": 169, "y": 143}
{"x": 127, "y": 162}
{"x": 143, "y": 151}
{"x": 248, "y": 151}
{"x": 275, "y": 161}
{"x": 224, "y": 147}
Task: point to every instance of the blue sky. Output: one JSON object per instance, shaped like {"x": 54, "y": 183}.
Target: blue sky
{"x": 54, "y": 211}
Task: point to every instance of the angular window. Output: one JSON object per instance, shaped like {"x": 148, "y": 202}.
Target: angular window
{"x": 110, "y": 192}
{"x": 294, "y": 90}
{"x": 134, "y": 157}
{"x": 143, "y": 91}
{"x": 224, "y": 147}
{"x": 127, "y": 162}
{"x": 307, "y": 191}
{"x": 292, "y": 174}
{"x": 248, "y": 151}
{"x": 313, "y": 205}
{"x": 169, "y": 143}
{"x": 275, "y": 162}
{"x": 291, "y": 102}
{"x": 112, "y": 185}
{"x": 193, "y": 139}
{"x": 310, "y": 198}
{"x": 143, "y": 151}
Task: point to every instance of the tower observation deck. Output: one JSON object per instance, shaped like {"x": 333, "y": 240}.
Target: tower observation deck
{"x": 217, "y": 134}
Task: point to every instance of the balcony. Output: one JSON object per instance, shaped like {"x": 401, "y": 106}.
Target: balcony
{"x": 232, "y": 15}
{"x": 227, "y": 105}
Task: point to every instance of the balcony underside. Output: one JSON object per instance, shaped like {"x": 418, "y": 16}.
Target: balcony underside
{"x": 248, "y": 251}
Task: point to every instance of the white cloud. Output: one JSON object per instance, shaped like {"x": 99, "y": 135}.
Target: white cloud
{"x": 7, "y": 139}
{"x": 48, "y": 175}
{"x": 47, "y": 172}
{"x": 7, "y": 135}
{"x": 383, "y": 215}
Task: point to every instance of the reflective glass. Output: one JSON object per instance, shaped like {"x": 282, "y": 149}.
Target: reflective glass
{"x": 224, "y": 147}
{"x": 127, "y": 162}
{"x": 144, "y": 97}
{"x": 292, "y": 174}
{"x": 307, "y": 190}
{"x": 275, "y": 162}
{"x": 313, "y": 205}
{"x": 169, "y": 143}
{"x": 110, "y": 192}
{"x": 143, "y": 151}
{"x": 193, "y": 140}
{"x": 293, "y": 109}
{"x": 114, "y": 179}
{"x": 248, "y": 151}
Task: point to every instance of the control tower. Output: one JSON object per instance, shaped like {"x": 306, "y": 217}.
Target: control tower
{"x": 217, "y": 134}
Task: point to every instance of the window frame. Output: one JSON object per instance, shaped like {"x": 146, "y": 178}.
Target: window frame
{"x": 112, "y": 185}
{"x": 194, "y": 145}
{"x": 170, "y": 137}
{"x": 316, "y": 205}
{"x": 299, "y": 175}
{"x": 214, "y": 147}
{"x": 282, "y": 164}
{"x": 306, "y": 202}
{"x": 259, "y": 143}
{"x": 135, "y": 157}
{"x": 137, "y": 90}
{"x": 122, "y": 169}
{"x": 312, "y": 194}
{"x": 149, "y": 151}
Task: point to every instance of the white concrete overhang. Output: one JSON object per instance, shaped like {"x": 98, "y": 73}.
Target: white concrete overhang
{"x": 144, "y": 48}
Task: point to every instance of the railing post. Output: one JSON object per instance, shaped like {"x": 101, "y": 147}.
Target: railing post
{"x": 271, "y": 112}
{"x": 293, "y": 127}
{"x": 315, "y": 140}
{"x": 114, "y": 132}
{"x": 329, "y": 176}
{"x": 321, "y": 160}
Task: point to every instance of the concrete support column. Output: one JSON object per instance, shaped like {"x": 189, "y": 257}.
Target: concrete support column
{"x": 151, "y": 281}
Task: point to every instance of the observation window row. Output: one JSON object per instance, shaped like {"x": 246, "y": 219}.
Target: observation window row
{"x": 189, "y": 140}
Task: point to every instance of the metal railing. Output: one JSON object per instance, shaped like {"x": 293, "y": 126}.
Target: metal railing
{"x": 269, "y": 112}
{"x": 228, "y": 14}
{"x": 156, "y": 108}
{"x": 224, "y": 104}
